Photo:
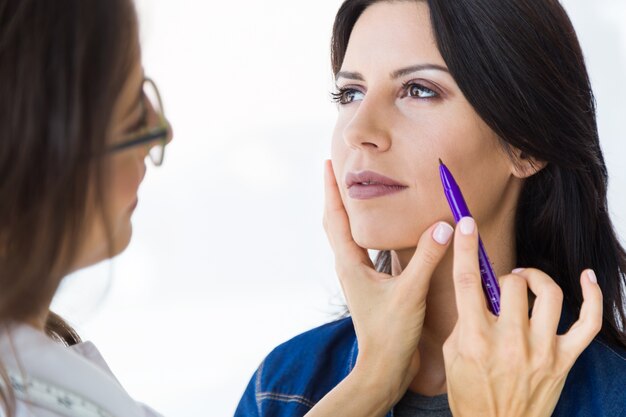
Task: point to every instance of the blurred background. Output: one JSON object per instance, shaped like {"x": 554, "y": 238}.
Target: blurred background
{"x": 229, "y": 257}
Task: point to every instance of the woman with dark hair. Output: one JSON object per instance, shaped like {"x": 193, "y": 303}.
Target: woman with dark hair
{"x": 77, "y": 120}
{"x": 499, "y": 91}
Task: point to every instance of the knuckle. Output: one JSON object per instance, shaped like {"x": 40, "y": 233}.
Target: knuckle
{"x": 477, "y": 351}
{"x": 513, "y": 283}
{"x": 546, "y": 366}
{"x": 554, "y": 293}
{"x": 467, "y": 280}
{"x": 515, "y": 351}
{"x": 473, "y": 345}
{"x": 430, "y": 256}
{"x": 544, "y": 359}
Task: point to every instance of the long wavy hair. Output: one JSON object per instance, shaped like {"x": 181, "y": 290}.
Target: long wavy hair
{"x": 520, "y": 66}
{"x": 63, "y": 64}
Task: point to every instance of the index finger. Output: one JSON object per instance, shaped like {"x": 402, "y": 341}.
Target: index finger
{"x": 337, "y": 224}
{"x": 470, "y": 301}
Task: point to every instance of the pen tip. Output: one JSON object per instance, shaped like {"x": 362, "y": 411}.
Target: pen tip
{"x": 440, "y": 162}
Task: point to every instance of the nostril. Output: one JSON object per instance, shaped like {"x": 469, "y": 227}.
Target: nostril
{"x": 369, "y": 144}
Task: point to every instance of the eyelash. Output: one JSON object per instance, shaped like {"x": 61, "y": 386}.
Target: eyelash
{"x": 407, "y": 85}
{"x": 339, "y": 96}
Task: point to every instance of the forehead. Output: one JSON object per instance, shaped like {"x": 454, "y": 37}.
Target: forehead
{"x": 392, "y": 34}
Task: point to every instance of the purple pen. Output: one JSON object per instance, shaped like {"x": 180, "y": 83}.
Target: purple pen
{"x": 460, "y": 210}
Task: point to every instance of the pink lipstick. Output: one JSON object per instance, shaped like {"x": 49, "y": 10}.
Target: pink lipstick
{"x": 367, "y": 184}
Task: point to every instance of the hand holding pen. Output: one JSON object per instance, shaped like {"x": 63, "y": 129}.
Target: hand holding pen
{"x": 511, "y": 365}
{"x": 495, "y": 366}
{"x": 508, "y": 365}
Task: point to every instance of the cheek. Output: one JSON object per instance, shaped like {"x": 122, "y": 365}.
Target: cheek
{"x": 338, "y": 155}
{"x": 126, "y": 175}
{"x": 461, "y": 140}
{"x": 480, "y": 166}
{"x": 122, "y": 183}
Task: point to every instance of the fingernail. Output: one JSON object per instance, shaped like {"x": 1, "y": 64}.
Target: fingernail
{"x": 518, "y": 270}
{"x": 467, "y": 225}
{"x": 443, "y": 232}
{"x": 592, "y": 276}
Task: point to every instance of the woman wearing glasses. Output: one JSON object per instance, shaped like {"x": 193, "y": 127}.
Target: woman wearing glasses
{"x": 77, "y": 120}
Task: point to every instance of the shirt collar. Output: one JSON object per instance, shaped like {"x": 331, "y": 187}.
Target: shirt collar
{"x": 79, "y": 369}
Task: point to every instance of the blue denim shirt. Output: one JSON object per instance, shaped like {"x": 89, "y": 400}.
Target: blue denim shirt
{"x": 298, "y": 373}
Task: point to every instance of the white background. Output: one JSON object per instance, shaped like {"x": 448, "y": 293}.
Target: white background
{"x": 229, "y": 257}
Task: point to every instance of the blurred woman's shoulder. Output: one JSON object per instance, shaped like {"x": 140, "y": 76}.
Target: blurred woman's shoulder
{"x": 50, "y": 379}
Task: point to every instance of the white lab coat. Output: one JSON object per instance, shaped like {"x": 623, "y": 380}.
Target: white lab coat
{"x": 78, "y": 369}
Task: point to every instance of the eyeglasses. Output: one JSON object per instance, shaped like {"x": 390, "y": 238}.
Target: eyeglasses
{"x": 156, "y": 131}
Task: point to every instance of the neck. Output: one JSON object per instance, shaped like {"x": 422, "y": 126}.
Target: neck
{"x": 441, "y": 314}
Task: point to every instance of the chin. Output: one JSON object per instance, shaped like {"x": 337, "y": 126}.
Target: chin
{"x": 121, "y": 239}
{"x": 99, "y": 249}
{"x": 382, "y": 237}
{"x": 389, "y": 228}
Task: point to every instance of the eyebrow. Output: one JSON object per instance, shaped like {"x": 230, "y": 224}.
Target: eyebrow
{"x": 395, "y": 74}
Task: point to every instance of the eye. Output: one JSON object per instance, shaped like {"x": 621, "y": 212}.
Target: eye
{"x": 139, "y": 122}
{"x": 137, "y": 125}
{"x": 412, "y": 89}
{"x": 347, "y": 95}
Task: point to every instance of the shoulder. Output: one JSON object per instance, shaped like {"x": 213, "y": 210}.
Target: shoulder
{"x": 596, "y": 382}
{"x": 605, "y": 365}
{"x": 325, "y": 354}
{"x": 61, "y": 378}
{"x": 299, "y": 372}
{"x": 334, "y": 336}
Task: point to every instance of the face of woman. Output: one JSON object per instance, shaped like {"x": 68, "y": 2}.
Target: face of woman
{"x": 126, "y": 171}
{"x": 399, "y": 112}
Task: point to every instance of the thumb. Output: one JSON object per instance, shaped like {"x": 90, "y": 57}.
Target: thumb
{"x": 431, "y": 248}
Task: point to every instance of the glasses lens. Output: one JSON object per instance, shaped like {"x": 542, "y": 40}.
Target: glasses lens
{"x": 154, "y": 99}
{"x": 156, "y": 119}
{"x": 156, "y": 153}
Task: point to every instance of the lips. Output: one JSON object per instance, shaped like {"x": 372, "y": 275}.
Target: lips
{"x": 367, "y": 184}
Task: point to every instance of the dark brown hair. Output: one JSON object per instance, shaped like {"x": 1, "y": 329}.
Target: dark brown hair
{"x": 520, "y": 65}
{"x": 63, "y": 64}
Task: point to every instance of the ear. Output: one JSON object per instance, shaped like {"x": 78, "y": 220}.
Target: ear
{"x": 523, "y": 166}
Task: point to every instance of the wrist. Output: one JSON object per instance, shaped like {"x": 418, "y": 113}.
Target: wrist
{"x": 364, "y": 392}
{"x": 380, "y": 381}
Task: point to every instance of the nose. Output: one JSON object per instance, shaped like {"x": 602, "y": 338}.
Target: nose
{"x": 370, "y": 127}
{"x": 170, "y": 132}
{"x": 154, "y": 118}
